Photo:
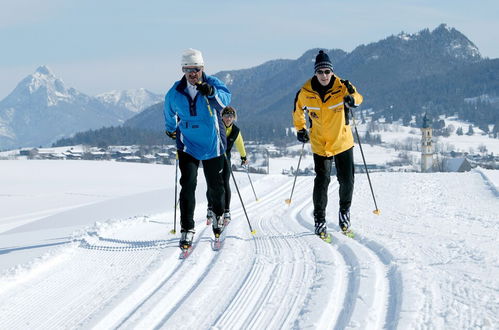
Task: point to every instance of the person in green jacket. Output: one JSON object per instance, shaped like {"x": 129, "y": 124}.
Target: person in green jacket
{"x": 234, "y": 137}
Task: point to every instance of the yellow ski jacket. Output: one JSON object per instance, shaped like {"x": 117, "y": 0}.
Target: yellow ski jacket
{"x": 329, "y": 134}
{"x": 238, "y": 141}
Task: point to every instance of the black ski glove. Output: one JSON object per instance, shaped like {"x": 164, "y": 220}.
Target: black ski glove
{"x": 302, "y": 136}
{"x": 244, "y": 161}
{"x": 347, "y": 115}
{"x": 349, "y": 101}
{"x": 205, "y": 89}
{"x": 171, "y": 135}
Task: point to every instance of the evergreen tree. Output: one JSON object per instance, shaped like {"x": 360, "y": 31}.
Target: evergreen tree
{"x": 470, "y": 130}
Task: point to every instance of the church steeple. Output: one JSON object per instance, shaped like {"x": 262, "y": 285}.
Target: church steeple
{"x": 426, "y": 145}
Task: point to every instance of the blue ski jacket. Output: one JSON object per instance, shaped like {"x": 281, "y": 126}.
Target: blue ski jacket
{"x": 197, "y": 122}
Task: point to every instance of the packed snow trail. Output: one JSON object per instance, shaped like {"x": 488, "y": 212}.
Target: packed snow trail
{"x": 426, "y": 262}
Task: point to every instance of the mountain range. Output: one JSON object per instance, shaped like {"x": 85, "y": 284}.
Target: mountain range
{"x": 42, "y": 109}
{"x": 436, "y": 72}
{"x": 133, "y": 100}
{"x": 404, "y": 75}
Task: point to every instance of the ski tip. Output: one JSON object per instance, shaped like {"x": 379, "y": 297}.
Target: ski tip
{"x": 326, "y": 238}
{"x": 349, "y": 233}
{"x": 185, "y": 251}
{"x": 377, "y": 212}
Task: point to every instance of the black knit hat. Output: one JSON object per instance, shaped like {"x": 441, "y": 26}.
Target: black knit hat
{"x": 322, "y": 61}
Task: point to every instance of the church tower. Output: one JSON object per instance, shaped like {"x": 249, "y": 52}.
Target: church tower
{"x": 426, "y": 146}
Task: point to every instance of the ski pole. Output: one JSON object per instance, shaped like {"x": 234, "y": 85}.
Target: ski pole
{"x": 174, "y": 230}
{"x": 254, "y": 193}
{"x": 288, "y": 201}
{"x": 253, "y": 232}
{"x": 376, "y": 211}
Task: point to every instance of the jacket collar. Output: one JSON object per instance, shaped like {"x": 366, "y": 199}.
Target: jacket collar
{"x": 183, "y": 83}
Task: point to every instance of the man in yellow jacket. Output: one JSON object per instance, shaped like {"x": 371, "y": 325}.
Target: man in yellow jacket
{"x": 327, "y": 99}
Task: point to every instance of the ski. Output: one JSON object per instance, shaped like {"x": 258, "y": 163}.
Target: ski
{"x": 326, "y": 237}
{"x": 186, "y": 251}
{"x": 348, "y": 233}
{"x": 218, "y": 242}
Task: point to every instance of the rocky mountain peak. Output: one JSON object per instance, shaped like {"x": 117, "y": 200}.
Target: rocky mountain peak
{"x": 134, "y": 100}
{"x": 44, "y": 70}
{"x": 42, "y": 87}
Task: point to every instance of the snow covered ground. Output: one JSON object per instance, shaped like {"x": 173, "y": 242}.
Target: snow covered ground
{"x": 87, "y": 245}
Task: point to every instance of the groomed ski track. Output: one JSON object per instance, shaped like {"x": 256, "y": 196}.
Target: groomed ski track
{"x": 128, "y": 275}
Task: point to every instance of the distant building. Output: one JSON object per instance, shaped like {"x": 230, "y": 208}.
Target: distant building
{"x": 456, "y": 165}
{"x": 28, "y": 152}
{"x": 426, "y": 146}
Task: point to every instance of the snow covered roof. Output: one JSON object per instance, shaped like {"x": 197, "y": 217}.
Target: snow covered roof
{"x": 456, "y": 165}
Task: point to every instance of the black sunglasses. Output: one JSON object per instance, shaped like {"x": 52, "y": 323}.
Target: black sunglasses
{"x": 190, "y": 70}
{"x": 323, "y": 71}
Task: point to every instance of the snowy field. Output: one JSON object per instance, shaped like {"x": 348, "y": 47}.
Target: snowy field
{"x": 87, "y": 245}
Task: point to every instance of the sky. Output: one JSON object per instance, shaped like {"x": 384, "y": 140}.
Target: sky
{"x": 99, "y": 46}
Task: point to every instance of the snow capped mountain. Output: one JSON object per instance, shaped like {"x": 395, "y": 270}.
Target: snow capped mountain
{"x": 42, "y": 109}
{"x": 43, "y": 87}
{"x": 134, "y": 100}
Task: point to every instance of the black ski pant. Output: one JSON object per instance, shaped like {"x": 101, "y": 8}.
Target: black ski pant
{"x": 212, "y": 169}
{"x": 226, "y": 178}
{"x": 345, "y": 175}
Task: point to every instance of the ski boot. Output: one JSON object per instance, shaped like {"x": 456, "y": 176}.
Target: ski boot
{"x": 186, "y": 238}
{"x": 321, "y": 229}
{"x": 226, "y": 217}
{"x": 344, "y": 223}
{"x": 218, "y": 226}
{"x": 210, "y": 216}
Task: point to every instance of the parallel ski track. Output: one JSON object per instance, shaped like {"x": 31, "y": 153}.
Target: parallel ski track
{"x": 374, "y": 289}
{"x": 173, "y": 291}
{"x": 142, "y": 307}
{"x": 278, "y": 289}
{"x": 70, "y": 282}
{"x": 247, "y": 290}
{"x": 288, "y": 254}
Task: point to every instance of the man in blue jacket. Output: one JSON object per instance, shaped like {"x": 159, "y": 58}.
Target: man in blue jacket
{"x": 193, "y": 119}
